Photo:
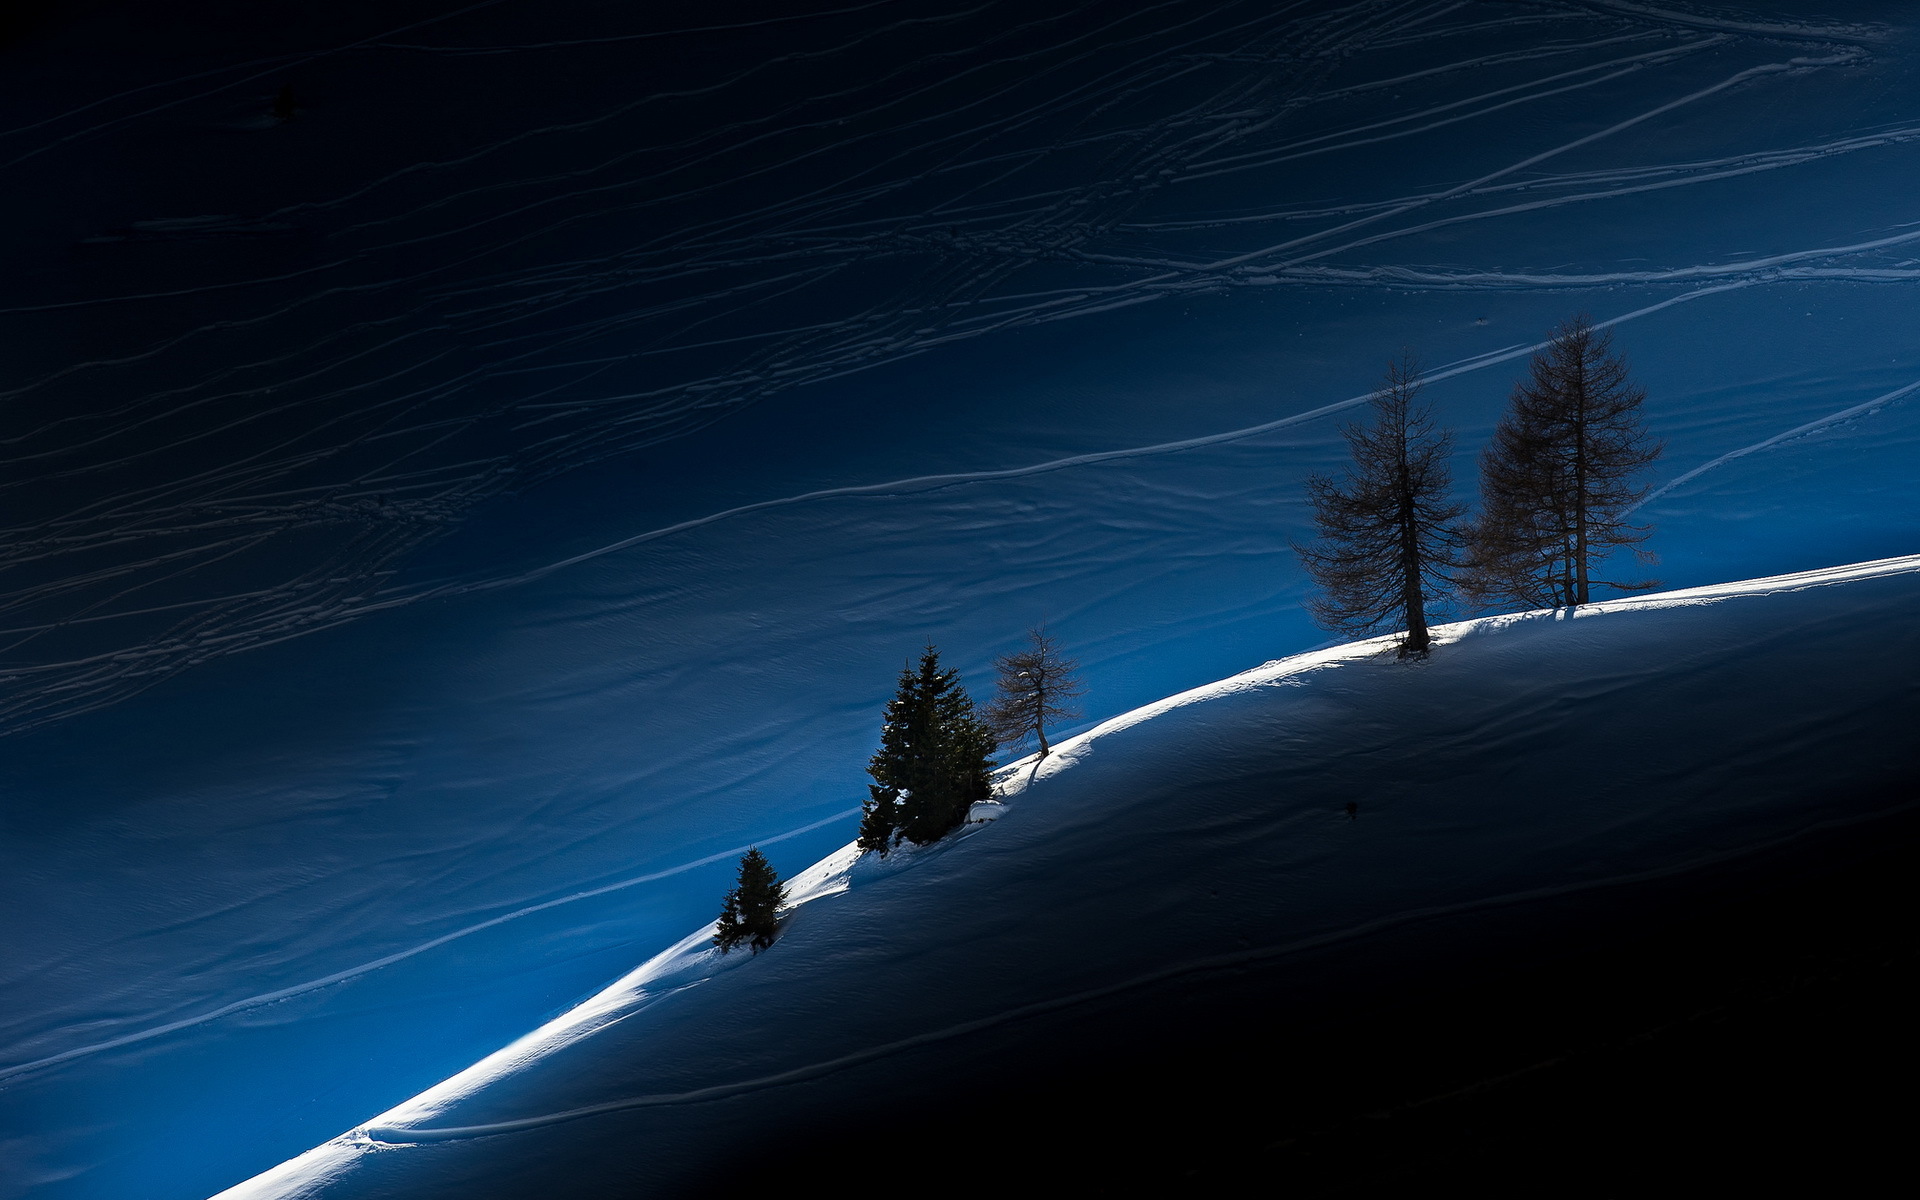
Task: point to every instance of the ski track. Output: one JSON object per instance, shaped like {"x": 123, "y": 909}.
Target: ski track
{"x": 500, "y": 313}
{"x": 423, "y": 358}
{"x": 366, "y": 968}
{"x": 1798, "y": 431}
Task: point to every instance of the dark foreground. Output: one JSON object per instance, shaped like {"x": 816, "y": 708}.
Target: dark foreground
{"x": 1753, "y": 1030}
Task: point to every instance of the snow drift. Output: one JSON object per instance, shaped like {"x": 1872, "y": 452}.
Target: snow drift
{"x": 1536, "y": 766}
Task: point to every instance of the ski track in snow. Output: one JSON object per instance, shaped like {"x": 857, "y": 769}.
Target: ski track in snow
{"x": 576, "y": 283}
{"x": 381, "y": 403}
{"x": 354, "y": 972}
{"x": 926, "y": 483}
{"x": 414, "y": 405}
{"x": 1798, "y": 431}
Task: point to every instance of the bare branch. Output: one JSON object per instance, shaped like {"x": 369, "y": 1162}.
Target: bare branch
{"x": 1387, "y": 540}
{"x": 1036, "y": 687}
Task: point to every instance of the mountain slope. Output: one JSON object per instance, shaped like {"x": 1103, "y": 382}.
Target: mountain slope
{"x": 1541, "y": 775}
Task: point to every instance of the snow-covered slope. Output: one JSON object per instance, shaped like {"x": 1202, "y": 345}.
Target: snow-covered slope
{"x": 440, "y": 530}
{"x": 1541, "y": 763}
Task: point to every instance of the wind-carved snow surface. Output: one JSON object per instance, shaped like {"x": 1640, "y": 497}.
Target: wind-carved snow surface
{"x": 442, "y": 529}
{"x": 1556, "y": 755}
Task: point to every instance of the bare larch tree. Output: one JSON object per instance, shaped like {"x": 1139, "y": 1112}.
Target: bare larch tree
{"x": 1387, "y": 538}
{"x": 1037, "y": 688}
{"x": 1558, "y": 479}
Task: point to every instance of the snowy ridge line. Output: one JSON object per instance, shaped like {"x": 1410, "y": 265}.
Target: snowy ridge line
{"x": 386, "y": 1131}
{"x": 1311, "y": 660}
{"x": 332, "y": 1162}
{"x": 1776, "y": 439}
{"x": 342, "y": 976}
{"x": 1766, "y": 585}
{"x": 375, "y": 1134}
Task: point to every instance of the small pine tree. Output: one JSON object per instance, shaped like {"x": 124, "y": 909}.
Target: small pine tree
{"x": 1556, "y": 481}
{"x": 1387, "y": 538}
{"x": 751, "y": 911}
{"x": 932, "y": 763}
{"x": 1037, "y": 686}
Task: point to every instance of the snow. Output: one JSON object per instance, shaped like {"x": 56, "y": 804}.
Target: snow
{"x": 1540, "y": 756}
{"x": 444, "y": 529}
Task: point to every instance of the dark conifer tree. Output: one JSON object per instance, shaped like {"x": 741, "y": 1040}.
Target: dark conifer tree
{"x": 933, "y": 761}
{"x": 891, "y": 766}
{"x": 1387, "y": 539}
{"x": 1558, "y": 479}
{"x": 1037, "y": 687}
{"x": 961, "y": 767}
{"x": 751, "y": 911}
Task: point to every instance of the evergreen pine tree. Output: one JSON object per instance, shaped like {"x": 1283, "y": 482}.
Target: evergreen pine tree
{"x": 1037, "y": 686}
{"x": 905, "y": 728}
{"x": 932, "y": 763}
{"x": 961, "y": 764}
{"x": 1387, "y": 538}
{"x": 1556, "y": 481}
{"x": 751, "y": 911}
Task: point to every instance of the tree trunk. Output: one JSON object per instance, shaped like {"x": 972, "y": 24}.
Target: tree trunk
{"x": 1410, "y": 591}
{"x": 1580, "y": 465}
{"x": 1418, "y": 640}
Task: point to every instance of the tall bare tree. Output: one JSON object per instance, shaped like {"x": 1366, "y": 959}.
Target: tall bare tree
{"x": 1558, "y": 479}
{"x": 1037, "y": 688}
{"x": 1387, "y": 539}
